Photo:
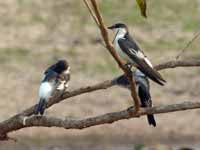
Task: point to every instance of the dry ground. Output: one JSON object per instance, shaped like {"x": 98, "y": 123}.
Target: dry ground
{"x": 35, "y": 34}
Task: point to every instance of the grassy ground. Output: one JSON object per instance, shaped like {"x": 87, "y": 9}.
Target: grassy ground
{"x": 34, "y": 34}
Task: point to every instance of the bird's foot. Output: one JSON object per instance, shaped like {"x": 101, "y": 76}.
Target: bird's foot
{"x": 132, "y": 111}
{"x": 64, "y": 92}
{"x": 24, "y": 120}
{"x": 128, "y": 67}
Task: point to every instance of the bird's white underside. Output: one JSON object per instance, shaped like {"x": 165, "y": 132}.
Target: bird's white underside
{"x": 63, "y": 85}
{"x": 45, "y": 90}
{"x": 120, "y": 34}
{"x": 67, "y": 71}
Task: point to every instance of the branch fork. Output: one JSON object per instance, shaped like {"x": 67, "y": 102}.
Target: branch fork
{"x": 97, "y": 17}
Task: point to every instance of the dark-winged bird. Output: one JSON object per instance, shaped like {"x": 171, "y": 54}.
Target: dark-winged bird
{"x": 142, "y": 88}
{"x": 129, "y": 51}
{"x": 56, "y": 77}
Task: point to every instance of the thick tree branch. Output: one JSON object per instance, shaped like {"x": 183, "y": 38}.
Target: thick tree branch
{"x": 13, "y": 123}
{"x": 69, "y": 123}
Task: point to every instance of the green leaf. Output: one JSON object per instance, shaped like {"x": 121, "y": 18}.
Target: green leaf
{"x": 143, "y": 7}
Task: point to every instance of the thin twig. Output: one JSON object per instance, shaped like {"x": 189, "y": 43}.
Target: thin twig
{"x": 94, "y": 18}
{"x": 91, "y": 12}
{"x": 187, "y": 45}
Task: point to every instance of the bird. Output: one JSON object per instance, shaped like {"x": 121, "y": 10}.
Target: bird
{"x": 142, "y": 89}
{"x": 129, "y": 51}
{"x": 56, "y": 77}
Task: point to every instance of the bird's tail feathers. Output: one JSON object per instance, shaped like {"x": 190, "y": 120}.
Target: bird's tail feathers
{"x": 152, "y": 74}
{"x": 40, "y": 107}
{"x": 151, "y": 120}
{"x": 146, "y": 67}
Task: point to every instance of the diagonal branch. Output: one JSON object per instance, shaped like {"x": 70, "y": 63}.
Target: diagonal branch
{"x": 91, "y": 12}
{"x": 93, "y": 17}
{"x": 112, "y": 51}
{"x": 188, "y": 44}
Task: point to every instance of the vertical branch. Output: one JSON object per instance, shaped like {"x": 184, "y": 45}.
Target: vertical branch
{"x": 111, "y": 49}
{"x": 91, "y": 12}
{"x": 93, "y": 17}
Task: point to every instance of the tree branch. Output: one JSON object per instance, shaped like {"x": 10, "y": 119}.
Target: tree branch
{"x": 188, "y": 44}
{"x": 13, "y": 123}
{"x": 91, "y": 12}
{"x": 108, "y": 118}
{"x": 178, "y": 63}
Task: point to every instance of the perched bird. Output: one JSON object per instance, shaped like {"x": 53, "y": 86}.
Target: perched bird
{"x": 142, "y": 89}
{"x": 56, "y": 77}
{"x": 129, "y": 51}
{"x": 62, "y": 68}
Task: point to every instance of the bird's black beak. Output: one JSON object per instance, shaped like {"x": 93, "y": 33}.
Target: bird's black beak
{"x": 111, "y": 27}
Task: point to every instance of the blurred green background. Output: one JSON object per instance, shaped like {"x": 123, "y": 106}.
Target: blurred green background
{"x": 34, "y": 34}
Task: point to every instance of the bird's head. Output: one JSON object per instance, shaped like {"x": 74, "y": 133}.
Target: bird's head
{"x": 61, "y": 66}
{"x": 118, "y": 26}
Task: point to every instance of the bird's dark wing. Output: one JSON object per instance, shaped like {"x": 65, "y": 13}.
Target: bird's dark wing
{"x": 52, "y": 67}
{"x": 131, "y": 42}
{"x": 144, "y": 95}
{"x": 127, "y": 47}
{"x": 50, "y": 75}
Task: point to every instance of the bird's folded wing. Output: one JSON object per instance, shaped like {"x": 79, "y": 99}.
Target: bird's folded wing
{"x": 139, "y": 60}
{"x": 50, "y": 75}
{"x": 128, "y": 47}
{"x": 50, "y": 68}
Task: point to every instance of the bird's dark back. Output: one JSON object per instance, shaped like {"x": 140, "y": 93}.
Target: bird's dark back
{"x": 50, "y": 75}
{"x": 132, "y": 42}
{"x": 58, "y": 67}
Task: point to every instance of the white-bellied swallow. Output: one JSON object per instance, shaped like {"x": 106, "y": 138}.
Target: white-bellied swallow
{"x": 56, "y": 77}
{"x": 128, "y": 50}
{"x": 142, "y": 88}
